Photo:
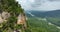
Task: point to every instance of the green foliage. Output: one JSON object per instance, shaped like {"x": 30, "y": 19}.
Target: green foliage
{"x": 36, "y": 25}
{"x": 11, "y": 6}
{"x": 55, "y": 20}
{"x": 14, "y": 9}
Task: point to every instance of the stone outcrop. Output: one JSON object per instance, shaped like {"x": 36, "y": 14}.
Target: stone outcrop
{"x": 4, "y": 16}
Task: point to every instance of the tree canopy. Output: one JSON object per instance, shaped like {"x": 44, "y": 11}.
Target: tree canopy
{"x": 10, "y": 6}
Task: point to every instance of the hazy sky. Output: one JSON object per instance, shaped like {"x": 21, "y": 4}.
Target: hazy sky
{"x": 45, "y": 5}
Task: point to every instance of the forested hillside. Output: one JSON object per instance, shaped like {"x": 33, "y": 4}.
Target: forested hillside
{"x": 53, "y": 13}
{"x": 10, "y": 10}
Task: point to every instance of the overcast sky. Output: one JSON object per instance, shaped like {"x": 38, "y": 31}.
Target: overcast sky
{"x": 44, "y": 5}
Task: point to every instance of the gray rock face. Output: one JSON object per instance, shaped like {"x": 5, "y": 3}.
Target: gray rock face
{"x": 4, "y": 16}
{"x": 1, "y": 20}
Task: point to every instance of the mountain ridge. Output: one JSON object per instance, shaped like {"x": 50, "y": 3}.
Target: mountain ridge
{"x": 54, "y": 13}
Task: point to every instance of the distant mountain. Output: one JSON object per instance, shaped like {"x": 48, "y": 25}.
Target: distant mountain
{"x": 54, "y": 13}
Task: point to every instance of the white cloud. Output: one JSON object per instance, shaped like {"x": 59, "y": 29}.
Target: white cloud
{"x": 48, "y": 6}
{"x": 40, "y": 4}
